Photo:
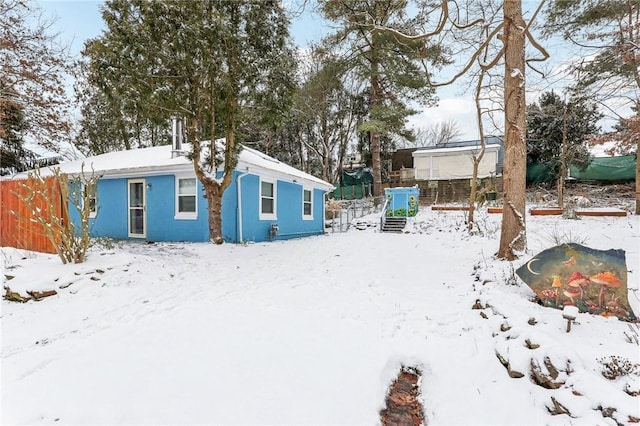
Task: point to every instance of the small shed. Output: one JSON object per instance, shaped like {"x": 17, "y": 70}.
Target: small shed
{"x": 401, "y": 201}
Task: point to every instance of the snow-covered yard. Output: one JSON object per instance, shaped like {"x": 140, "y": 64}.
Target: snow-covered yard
{"x": 313, "y": 331}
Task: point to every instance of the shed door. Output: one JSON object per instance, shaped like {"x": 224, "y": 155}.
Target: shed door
{"x": 137, "y": 209}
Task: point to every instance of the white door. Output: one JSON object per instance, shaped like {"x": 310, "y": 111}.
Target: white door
{"x": 137, "y": 209}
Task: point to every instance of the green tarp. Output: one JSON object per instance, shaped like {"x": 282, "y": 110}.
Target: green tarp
{"x": 607, "y": 168}
{"x": 538, "y": 172}
{"x": 353, "y": 192}
{"x": 356, "y": 176}
{"x": 355, "y": 184}
{"x": 600, "y": 168}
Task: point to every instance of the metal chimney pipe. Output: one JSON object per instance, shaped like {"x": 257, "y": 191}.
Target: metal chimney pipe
{"x": 176, "y": 137}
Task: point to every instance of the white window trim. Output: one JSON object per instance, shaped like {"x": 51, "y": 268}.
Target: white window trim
{"x": 307, "y": 216}
{"x": 143, "y": 182}
{"x": 268, "y": 216}
{"x": 184, "y": 215}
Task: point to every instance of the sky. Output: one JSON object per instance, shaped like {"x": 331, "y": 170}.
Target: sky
{"x": 313, "y": 331}
{"x": 79, "y": 20}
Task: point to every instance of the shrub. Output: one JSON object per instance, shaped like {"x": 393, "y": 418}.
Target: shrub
{"x": 70, "y": 243}
{"x": 617, "y": 366}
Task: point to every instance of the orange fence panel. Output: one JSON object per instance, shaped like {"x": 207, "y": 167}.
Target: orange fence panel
{"x": 17, "y": 227}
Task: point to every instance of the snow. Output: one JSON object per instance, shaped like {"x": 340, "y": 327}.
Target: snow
{"x": 600, "y": 150}
{"x": 310, "y": 331}
{"x": 158, "y": 160}
{"x": 429, "y": 151}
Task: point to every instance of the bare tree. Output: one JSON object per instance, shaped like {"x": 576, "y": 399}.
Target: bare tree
{"x": 438, "y": 133}
{"x": 43, "y": 201}
{"x": 33, "y": 72}
{"x": 391, "y": 67}
{"x": 513, "y": 233}
{"x": 327, "y": 106}
{"x": 607, "y": 32}
{"x": 512, "y": 31}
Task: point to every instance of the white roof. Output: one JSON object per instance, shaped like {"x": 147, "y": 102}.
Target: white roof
{"x": 426, "y": 151}
{"x": 157, "y": 160}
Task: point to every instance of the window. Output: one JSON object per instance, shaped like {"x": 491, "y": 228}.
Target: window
{"x": 307, "y": 204}
{"x": 92, "y": 198}
{"x": 267, "y": 200}
{"x": 186, "y": 199}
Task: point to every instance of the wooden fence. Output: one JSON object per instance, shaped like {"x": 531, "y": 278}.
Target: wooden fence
{"x": 17, "y": 227}
{"x": 448, "y": 191}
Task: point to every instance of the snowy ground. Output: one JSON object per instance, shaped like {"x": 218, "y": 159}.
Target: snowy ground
{"x": 312, "y": 331}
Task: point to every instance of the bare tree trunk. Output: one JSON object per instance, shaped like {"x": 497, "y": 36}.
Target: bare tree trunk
{"x": 124, "y": 134}
{"x": 563, "y": 160}
{"x": 513, "y": 234}
{"x": 213, "y": 189}
{"x": 375, "y": 136}
{"x": 473, "y": 194}
{"x": 638, "y": 177}
{"x": 213, "y": 194}
{"x": 476, "y": 158}
{"x": 326, "y": 153}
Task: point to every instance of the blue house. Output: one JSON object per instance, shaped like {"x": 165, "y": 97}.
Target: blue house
{"x": 151, "y": 194}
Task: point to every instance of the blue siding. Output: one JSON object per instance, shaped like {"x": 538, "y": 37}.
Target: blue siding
{"x": 111, "y": 220}
{"x": 252, "y": 228}
{"x": 229, "y": 211}
{"x": 161, "y": 224}
{"x": 288, "y": 211}
{"x": 161, "y": 209}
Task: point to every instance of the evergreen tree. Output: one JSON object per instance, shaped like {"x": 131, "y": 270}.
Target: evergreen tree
{"x": 214, "y": 63}
{"x": 13, "y": 156}
{"x": 552, "y": 120}
{"x": 608, "y": 34}
{"x": 390, "y": 66}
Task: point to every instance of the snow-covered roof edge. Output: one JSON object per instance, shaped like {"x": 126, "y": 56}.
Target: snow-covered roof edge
{"x": 420, "y": 152}
{"x": 158, "y": 160}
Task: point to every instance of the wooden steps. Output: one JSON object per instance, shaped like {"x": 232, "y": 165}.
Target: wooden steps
{"x": 394, "y": 224}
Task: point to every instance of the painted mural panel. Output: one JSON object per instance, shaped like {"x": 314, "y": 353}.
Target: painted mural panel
{"x": 595, "y": 281}
{"x": 401, "y": 201}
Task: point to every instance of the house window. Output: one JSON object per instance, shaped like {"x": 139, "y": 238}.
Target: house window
{"x": 267, "y": 200}
{"x": 186, "y": 199}
{"x": 92, "y": 199}
{"x": 307, "y": 204}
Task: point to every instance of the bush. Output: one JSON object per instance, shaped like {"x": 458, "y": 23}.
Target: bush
{"x": 617, "y": 366}
{"x": 40, "y": 198}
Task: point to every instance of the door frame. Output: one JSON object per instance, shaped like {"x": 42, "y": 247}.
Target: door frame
{"x": 143, "y": 208}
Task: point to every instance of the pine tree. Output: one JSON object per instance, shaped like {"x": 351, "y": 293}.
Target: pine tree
{"x": 550, "y": 118}
{"x": 391, "y": 66}
{"x": 214, "y": 63}
{"x": 608, "y": 33}
{"x": 13, "y": 155}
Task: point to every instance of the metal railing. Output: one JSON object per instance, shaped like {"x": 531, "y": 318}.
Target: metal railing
{"x": 341, "y": 220}
{"x": 383, "y": 213}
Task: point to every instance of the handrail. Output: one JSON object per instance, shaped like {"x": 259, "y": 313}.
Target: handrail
{"x": 383, "y": 215}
